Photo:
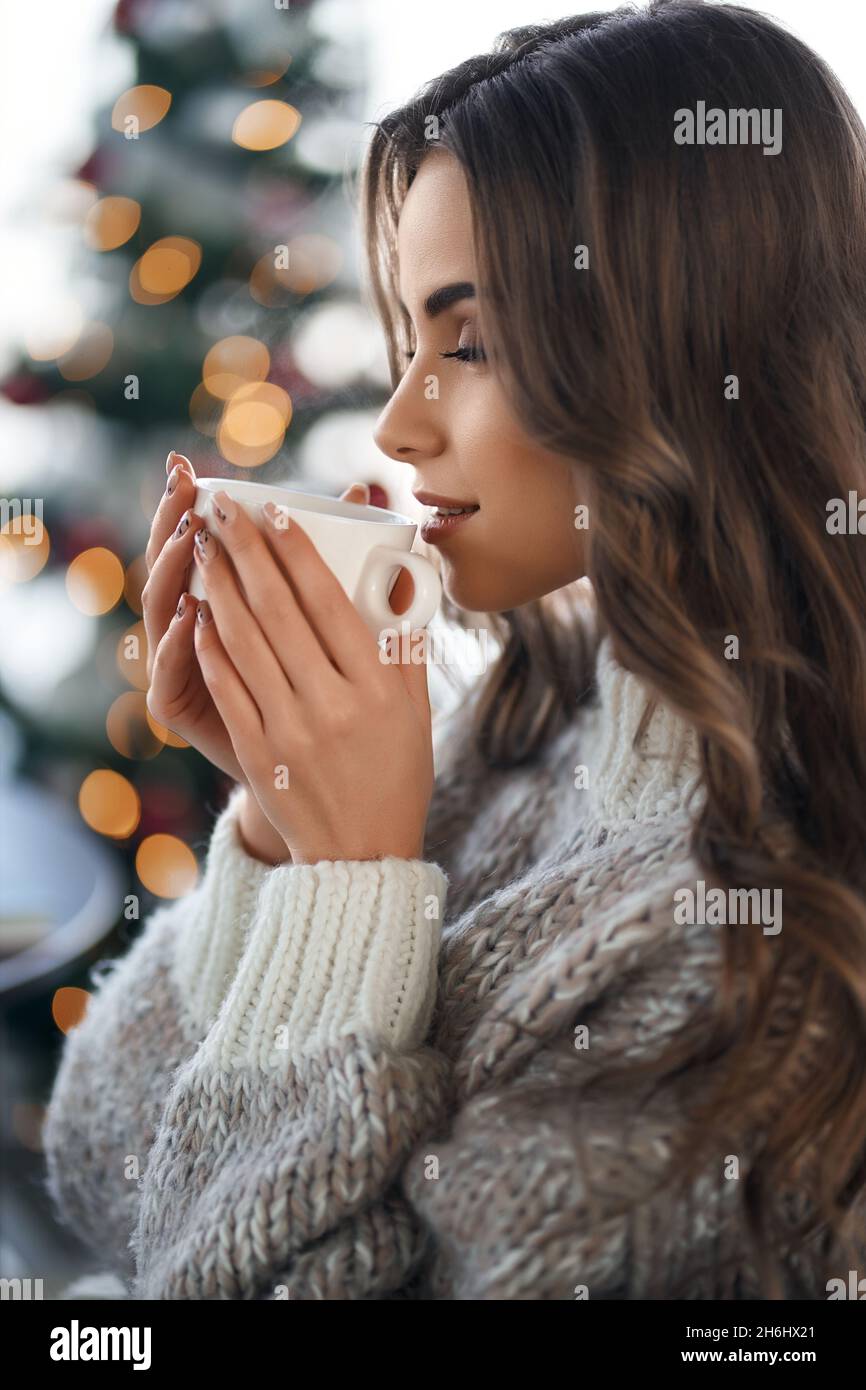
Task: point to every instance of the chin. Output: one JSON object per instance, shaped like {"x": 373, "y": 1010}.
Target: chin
{"x": 475, "y": 594}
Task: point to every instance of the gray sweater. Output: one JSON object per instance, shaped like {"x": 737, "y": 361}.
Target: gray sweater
{"x": 364, "y": 1080}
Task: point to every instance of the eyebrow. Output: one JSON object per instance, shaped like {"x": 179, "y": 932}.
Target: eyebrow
{"x": 444, "y": 297}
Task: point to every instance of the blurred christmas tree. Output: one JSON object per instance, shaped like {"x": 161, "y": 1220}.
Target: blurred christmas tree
{"x": 219, "y": 316}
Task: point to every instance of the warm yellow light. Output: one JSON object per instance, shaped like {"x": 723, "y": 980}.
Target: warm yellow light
{"x": 166, "y": 866}
{"x": 164, "y": 734}
{"x": 134, "y": 582}
{"x": 264, "y": 125}
{"x": 232, "y": 362}
{"x": 205, "y": 410}
{"x": 264, "y": 77}
{"x": 164, "y": 270}
{"x": 109, "y": 804}
{"x": 90, "y": 354}
{"x": 127, "y": 727}
{"x": 111, "y": 222}
{"x": 139, "y": 109}
{"x": 131, "y": 656}
{"x": 24, "y": 549}
{"x": 313, "y": 262}
{"x": 69, "y": 1006}
{"x": 94, "y": 581}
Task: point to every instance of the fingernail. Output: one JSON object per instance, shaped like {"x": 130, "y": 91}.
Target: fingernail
{"x": 365, "y": 488}
{"x": 224, "y": 507}
{"x": 173, "y": 480}
{"x": 183, "y": 524}
{"x": 206, "y": 545}
{"x": 181, "y": 607}
{"x": 169, "y": 462}
{"x": 277, "y": 516}
{"x": 204, "y": 614}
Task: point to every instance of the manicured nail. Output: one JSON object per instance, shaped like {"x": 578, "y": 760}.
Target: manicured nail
{"x": 224, "y": 507}
{"x": 206, "y": 545}
{"x": 183, "y": 524}
{"x": 181, "y": 606}
{"x": 204, "y": 614}
{"x": 170, "y": 460}
{"x": 277, "y": 516}
{"x": 173, "y": 480}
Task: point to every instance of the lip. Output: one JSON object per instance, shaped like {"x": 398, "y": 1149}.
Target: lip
{"x": 432, "y": 499}
{"x": 436, "y": 528}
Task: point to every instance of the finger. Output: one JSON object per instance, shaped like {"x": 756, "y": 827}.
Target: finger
{"x": 270, "y": 597}
{"x": 409, "y": 652}
{"x": 238, "y": 629}
{"x": 168, "y": 577}
{"x": 321, "y": 597}
{"x": 173, "y": 662}
{"x": 179, "y": 494}
{"x": 233, "y": 701}
{"x": 358, "y": 492}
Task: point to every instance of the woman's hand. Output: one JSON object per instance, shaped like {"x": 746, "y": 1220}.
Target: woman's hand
{"x": 334, "y": 741}
{"x": 178, "y": 696}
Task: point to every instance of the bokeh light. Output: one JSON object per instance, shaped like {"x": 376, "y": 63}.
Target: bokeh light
{"x": 24, "y": 549}
{"x": 164, "y": 734}
{"x": 131, "y": 656}
{"x": 111, "y": 222}
{"x": 314, "y": 261}
{"x": 134, "y": 582}
{"x": 232, "y": 362}
{"x": 89, "y": 355}
{"x": 109, "y": 804}
{"x": 264, "y": 125}
{"x": 164, "y": 270}
{"x": 128, "y": 730}
{"x": 69, "y": 1006}
{"x": 94, "y": 581}
{"x": 140, "y": 108}
{"x": 205, "y": 410}
{"x": 254, "y": 424}
{"x": 265, "y": 77}
{"x": 166, "y": 866}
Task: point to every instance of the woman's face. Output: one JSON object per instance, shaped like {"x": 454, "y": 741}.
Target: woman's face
{"x": 458, "y": 432}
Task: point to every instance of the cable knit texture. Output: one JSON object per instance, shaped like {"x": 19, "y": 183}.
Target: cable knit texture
{"x": 365, "y": 1080}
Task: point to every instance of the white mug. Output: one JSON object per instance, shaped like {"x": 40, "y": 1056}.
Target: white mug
{"x": 365, "y": 547}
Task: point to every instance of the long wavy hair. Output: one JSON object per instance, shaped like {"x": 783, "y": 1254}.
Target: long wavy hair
{"x": 709, "y": 367}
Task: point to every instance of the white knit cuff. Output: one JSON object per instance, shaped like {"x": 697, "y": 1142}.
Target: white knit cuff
{"x": 337, "y": 947}
{"x": 208, "y": 945}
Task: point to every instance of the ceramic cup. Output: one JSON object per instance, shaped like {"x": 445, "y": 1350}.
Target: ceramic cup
{"x": 365, "y": 547}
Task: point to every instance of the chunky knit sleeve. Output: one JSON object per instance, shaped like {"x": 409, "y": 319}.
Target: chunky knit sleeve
{"x": 273, "y": 1172}
{"x": 147, "y": 1013}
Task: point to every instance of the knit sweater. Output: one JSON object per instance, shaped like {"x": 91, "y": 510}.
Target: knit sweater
{"x": 365, "y": 1080}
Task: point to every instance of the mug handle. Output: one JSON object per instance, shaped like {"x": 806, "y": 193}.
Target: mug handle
{"x": 376, "y": 584}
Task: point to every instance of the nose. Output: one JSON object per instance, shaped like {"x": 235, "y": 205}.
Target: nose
{"x": 410, "y": 427}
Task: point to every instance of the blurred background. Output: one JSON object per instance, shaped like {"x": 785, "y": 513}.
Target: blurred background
{"x": 179, "y": 269}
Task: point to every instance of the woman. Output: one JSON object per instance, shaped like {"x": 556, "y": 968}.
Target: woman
{"x": 584, "y": 1018}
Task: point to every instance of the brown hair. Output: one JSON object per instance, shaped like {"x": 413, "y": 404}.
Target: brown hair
{"x": 709, "y": 510}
